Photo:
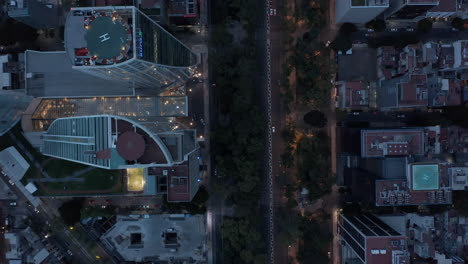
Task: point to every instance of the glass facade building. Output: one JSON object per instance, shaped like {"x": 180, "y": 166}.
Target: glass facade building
{"x": 122, "y": 43}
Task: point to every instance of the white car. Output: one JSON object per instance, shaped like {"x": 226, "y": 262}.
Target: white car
{"x": 11, "y": 182}
{"x": 273, "y": 129}
{"x": 410, "y": 29}
{"x": 13, "y": 204}
{"x": 394, "y": 29}
{"x": 370, "y": 30}
{"x": 272, "y": 12}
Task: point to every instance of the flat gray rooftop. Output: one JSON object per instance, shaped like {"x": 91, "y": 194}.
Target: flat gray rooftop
{"x": 51, "y": 74}
{"x": 191, "y": 233}
{"x": 365, "y": 70}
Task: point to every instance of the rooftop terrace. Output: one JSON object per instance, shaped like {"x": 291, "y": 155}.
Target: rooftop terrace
{"x": 159, "y": 237}
{"x": 392, "y": 142}
{"x": 99, "y": 36}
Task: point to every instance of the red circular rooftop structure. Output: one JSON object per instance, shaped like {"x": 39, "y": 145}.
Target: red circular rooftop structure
{"x": 130, "y": 145}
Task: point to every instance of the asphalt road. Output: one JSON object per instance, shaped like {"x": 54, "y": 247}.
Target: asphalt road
{"x": 270, "y": 44}
{"x": 46, "y": 218}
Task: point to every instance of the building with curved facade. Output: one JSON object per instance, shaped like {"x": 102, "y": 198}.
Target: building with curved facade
{"x": 115, "y": 142}
{"x": 121, "y": 43}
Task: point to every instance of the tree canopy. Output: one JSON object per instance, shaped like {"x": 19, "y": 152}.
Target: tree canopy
{"x": 458, "y": 23}
{"x": 12, "y": 31}
{"x": 315, "y": 118}
{"x": 425, "y": 25}
{"x": 348, "y": 28}
{"x": 70, "y": 211}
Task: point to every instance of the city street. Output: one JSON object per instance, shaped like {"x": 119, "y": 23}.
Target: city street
{"x": 439, "y": 34}
{"x": 45, "y": 216}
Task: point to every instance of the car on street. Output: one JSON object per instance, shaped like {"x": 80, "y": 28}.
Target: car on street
{"x": 272, "y": 12}
{"x": 409, "y": 29}
{"x": 355, "y": 113}
{"x": 11, "y": 182}
{"x": 13, "y": 204}
{"x": 273, "y": 129}
{"x": 370, "y": 30}
{"x": 401, "y": 116}
{"x": 69, "y": 253}
{"x": 394, "y": 29}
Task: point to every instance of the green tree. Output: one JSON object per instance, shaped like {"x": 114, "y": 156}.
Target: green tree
{"x": 425, "y": 25}
{"x": 70, "y": 211}
{"x": 458, "y": 23}
{"x": 348, "y": 28}
{"x": 315, "y": 118}
{"x": 341, "y": 43}
{"x": 12, "y": 31}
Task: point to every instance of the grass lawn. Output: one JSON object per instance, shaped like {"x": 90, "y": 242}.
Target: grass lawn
{"x": 57, "y": 168}
{"x": 95, "y": 181}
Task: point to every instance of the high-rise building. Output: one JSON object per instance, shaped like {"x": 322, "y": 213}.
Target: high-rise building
{"x": 34, "y": 13}
{"x": 13, "y": 104}
{"x": 113, "y": 142}
{"x": 409, "y": 9}
{"x": 359, "y": 11}
{"x": 122, "y": 43}
{"x": 367, "y": 239}
{"x": 101, "y": 131}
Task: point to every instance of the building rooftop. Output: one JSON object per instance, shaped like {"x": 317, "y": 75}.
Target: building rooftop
{"x": 14, "y": 166}
{"x": 427, "y": 184}
{"x": 369, "y": 3}
{"x": 139, "y": 108}
{"x": 445, "y": 6}
{"x": 99, "y": 36}
{"x": 183, "y": 180}
{"x": 353, "y": 94}
{"x": 159, "y": 237}
{"x": 424, "y": 176}
{"x": 51, "y": 74}
{"x": 114, "y": 142}
{"x": 420, "y": 2}
{"x": 111, "y": 35}
{"x": 93, "y": 140}
{"x": 13, "y": 105}
{"x": 461, "y": 53}
{"x": 458, "y": 178}
{"x": 398, "y": 193}
{"x": 372, "y": 240}
{"x": 392, "y": 142}
{"x": 348, "y": 70}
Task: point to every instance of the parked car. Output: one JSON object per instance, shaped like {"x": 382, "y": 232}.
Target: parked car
{"x": 394, "y": 29}
{"x": 409, "y": 29}
{"x": 13, "y": 204}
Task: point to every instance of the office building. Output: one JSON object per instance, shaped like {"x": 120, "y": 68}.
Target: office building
{"x": 122, "y": 43}
{"x": 359, "y": 11}
{"x": 34, "y": 13}
{"x": 13, "y": 104}
{"x": 367, "y": 239}
{"x": 410, "y": 9}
